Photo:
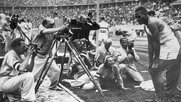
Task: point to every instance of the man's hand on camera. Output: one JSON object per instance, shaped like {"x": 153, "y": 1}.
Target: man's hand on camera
{"x": 89, "y": 20}
{"x": 63, "y": 29}
{"x": 31, "y": 50}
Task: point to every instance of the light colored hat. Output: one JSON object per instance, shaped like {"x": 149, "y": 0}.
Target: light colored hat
{"x": 83, "y": 18}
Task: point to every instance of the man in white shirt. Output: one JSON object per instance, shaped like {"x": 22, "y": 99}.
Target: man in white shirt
{"x": 103, "y": 32}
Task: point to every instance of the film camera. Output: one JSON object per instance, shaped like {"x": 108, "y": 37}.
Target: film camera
{"x": 76, "y": 26}
{"x": 14, "y": 21}
{"x": 130, "y": 44}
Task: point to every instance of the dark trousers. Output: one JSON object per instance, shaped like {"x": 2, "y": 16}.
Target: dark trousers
{"x": 165, "y": 87}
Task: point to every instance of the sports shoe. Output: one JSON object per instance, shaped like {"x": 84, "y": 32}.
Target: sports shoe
{"x": 57, "y": 88}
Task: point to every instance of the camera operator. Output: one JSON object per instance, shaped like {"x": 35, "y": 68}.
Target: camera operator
{"x": 84, "y": 25}
{"x": 44, "y": 41}
{"x": 13, "y": 79}
{"x": 80, "y": 29}
{"x": 128, "y": 62}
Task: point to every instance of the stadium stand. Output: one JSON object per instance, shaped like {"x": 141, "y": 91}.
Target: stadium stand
{"x": 119, "y": 11}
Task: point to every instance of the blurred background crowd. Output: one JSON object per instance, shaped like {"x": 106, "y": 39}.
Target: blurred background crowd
{"x": 117, "y": 12}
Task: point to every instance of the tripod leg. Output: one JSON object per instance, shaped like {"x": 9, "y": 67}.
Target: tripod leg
{"x": 40, "y": 79}
{"x": 62, "y": 63}
{"x": 46, "y": 66}
{"x": 78, "y": 57}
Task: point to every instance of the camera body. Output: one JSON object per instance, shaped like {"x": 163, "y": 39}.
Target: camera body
{"x": 73, "y": 22}
{"x": 130, "y": 44}
{"x": 14, "y": 21}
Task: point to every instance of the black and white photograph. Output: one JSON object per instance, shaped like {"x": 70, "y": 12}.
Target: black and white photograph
{"x": 90, "y": 50}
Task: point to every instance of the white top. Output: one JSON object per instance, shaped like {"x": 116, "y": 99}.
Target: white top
{"x": 104, "y": 30}
{"x": 169, "y": 46}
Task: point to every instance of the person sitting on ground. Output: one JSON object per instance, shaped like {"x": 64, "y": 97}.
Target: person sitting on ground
{"x": 78, "y": 77}
{"x": 128, "y": 62}
{"x": 12, "y": 76}
{"x": 108, "y": 72}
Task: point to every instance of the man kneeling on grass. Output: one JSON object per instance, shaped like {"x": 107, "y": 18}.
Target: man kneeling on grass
{"x": 107, "y": 72}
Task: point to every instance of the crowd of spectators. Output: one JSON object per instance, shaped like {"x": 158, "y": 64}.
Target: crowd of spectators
{"x": 122, "y": 13}
{"x": 52, "y": 2}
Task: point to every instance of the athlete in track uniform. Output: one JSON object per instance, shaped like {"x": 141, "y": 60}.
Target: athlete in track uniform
{"x": 103, "y": 32}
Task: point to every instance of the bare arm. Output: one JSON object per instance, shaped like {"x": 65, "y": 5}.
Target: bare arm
{"x": 137, "y": 58}
{"x": 97, "y": 54}
{"x": 154, "y": 41}
{"x": 119, "y": 78}
{"x": 150, "y": 50}
{"x": 24, "y": 64}
{"x": 54, "y": 30}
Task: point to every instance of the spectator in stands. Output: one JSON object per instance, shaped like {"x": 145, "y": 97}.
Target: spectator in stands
{"x": 30, "y": 28}
{"x": 21, "y": 31}
{"x": 5, "y": 31}
{"x": 13, "y": 77}
{"x": 127, "y": 58}
{"x": 103, "y": 32}
{"x": 44, "y": 41}
{"x": 162, "y": 54}
{"x": 58, "y": 21}
{"x": 151, "y": 13}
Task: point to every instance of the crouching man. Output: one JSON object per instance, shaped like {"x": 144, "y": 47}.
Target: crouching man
{"x": 128, "y": 61}
{"x": 13, "y": 77}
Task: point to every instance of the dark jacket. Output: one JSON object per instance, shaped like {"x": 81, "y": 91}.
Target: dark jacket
{"x": 83, "y": 30}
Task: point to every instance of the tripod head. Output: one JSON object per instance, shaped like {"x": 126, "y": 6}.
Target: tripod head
{"x": 59, "y": 37}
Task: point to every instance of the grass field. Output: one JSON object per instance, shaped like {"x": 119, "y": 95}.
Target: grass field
{"x": 114, "y": 94}
{"x": 117, "y": 95}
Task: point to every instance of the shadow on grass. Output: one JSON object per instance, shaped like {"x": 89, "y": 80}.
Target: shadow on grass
{"x": 115, "y": 94}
